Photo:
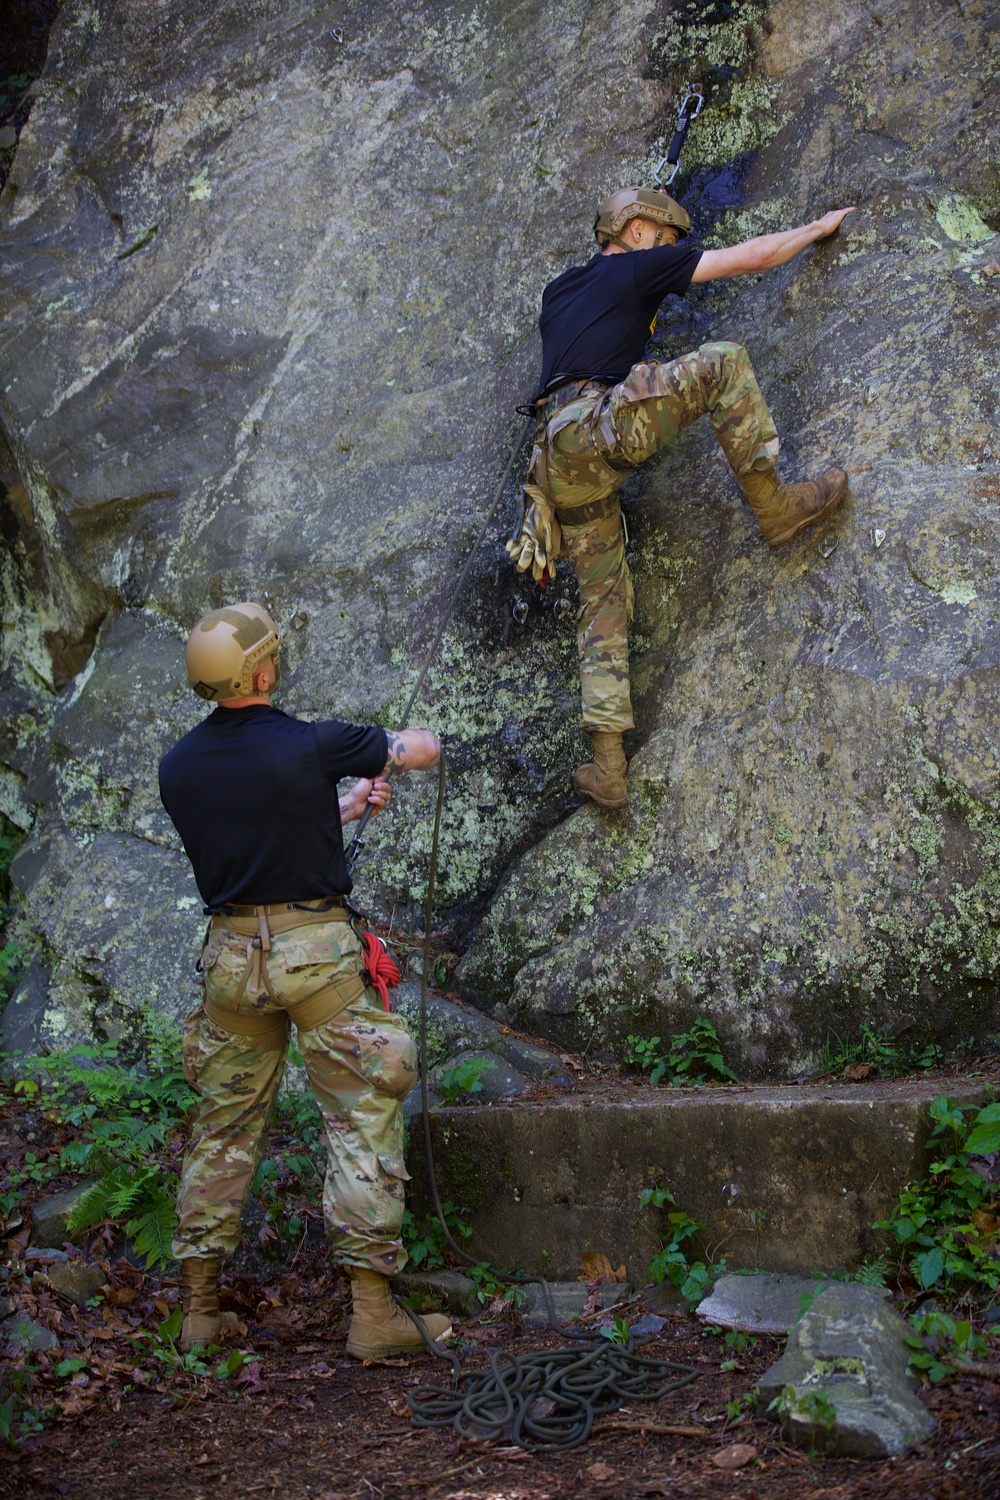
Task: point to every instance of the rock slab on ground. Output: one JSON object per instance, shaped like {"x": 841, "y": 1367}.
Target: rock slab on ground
{"x": 849, "y": 1349}
{"x": 50, "y": 1215}
{"x": 761, "y": 1304}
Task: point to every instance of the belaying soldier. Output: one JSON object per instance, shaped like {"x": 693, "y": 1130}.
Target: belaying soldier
{"x": 602, "y": 411}
{"x": 253, "y": 794}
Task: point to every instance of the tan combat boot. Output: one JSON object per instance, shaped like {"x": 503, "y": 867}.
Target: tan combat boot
{"x": 379, "y": 1328}
{"x": 603, "y": 779}
{"x": 200, "y": 1299}
{"x": 784, "y": 511}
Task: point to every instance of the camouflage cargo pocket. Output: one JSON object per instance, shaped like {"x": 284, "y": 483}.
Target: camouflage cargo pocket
{"x": 191, "y": 1045}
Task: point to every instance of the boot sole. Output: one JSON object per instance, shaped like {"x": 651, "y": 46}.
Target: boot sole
{"x": 821, "y": 515}
{"x": 603, "y": 802}
{"x": 612, "y": 804}
{"x": 387, "y": 1351}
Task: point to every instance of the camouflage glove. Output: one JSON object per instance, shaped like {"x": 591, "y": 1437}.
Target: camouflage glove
{"x": 540, "y": 541}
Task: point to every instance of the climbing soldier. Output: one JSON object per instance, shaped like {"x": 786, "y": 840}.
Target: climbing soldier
{"x": 602, "y": 411}
{"x": 253, "y": 795}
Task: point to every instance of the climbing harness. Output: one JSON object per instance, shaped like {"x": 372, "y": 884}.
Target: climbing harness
{"x": 672, "y": 158}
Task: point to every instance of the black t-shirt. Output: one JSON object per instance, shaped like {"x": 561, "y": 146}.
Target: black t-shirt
{"x": 597, "y": 318}
{"x": 253, "y": 794}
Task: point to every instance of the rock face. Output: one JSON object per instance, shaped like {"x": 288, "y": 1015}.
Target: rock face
{"x": 842, "y": 1379}
{"x": 268, "y": 301}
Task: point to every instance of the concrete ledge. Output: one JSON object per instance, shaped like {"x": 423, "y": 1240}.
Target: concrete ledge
{"x": 785, "y": 1179}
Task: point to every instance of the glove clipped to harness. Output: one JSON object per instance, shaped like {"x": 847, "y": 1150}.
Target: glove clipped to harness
{"x": 540, "y": 539}
{"x": 379, "y": 971}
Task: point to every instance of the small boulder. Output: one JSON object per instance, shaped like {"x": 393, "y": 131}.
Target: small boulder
{"x": 450, "y": 1027}
{"x": 536, "y": 1063}
{"x": 50, "y": 1216}
{"x": 74, "y": 1279}
{"x": 761, "y": 1304}
{"x": 498, "y": 1079}
{"x": 842, "y": 1381}
{"x": 20, "y": 1334}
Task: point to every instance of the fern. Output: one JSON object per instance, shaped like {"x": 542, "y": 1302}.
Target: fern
{"x": 152, "y": 1232}
{"x": 90, "y": 1208}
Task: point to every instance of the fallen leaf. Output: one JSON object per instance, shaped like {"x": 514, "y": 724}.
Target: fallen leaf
{"x": 123, "y": 1296}
{"x": 595, "y": 1266}
{"x": 571, "y": 1062}
{"x": 734, "y": 1457}
{"x": 985, "y": 1223}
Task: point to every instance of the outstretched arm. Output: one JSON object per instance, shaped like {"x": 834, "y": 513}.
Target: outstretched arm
{"x": 767, "y": 250}
{"x": 411, "y": 750}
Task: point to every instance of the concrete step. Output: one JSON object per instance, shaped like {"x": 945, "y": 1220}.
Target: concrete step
{"x": 786, "y": 1178}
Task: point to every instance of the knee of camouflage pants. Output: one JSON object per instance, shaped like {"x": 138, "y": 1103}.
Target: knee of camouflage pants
{"x": 657, "y": 400}
{"x": 361, "y": 1065}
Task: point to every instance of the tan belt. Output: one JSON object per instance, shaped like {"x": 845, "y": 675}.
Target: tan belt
{"x": 582, "y": 515}
{"x": 268, "y": 1029}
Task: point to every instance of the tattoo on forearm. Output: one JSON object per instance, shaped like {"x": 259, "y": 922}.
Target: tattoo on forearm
{"x": 397, "y": 749}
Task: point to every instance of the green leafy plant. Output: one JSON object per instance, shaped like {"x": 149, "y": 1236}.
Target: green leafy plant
{"x": 465, "y": 1078}
{"x": 879, "y": 1052}
{"x": 811, "y": 1407}
{"x": 616, "y": 1332}
{"x": 672, "y": 1262}
{"x": 424, "y": 1239}
{"x": 126, "y": 1115}
{"x": 491, "y": 1285}
{"x": 945, "y": 1226}
{"x": 694, "y": 1056}
{"x": 20, "y": 1417}
{"x": 938, "y": 1345}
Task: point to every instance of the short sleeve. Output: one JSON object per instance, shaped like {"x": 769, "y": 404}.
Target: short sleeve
{"x": 666, "y": 269}
{"x": 350, "y": 749}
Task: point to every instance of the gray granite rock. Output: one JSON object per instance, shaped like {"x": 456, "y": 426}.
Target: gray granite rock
{"x": 450, "y": 1028}
{"x": 23, "y": 1018}
{"x": 847, "y": 1353}
{"x": 75, "y": 1280}
{"x": 499, "y": 1080}
{"x": 537, "y": 1063}
{"x": 50, "y": 1214}
{"x": 20, "y": 1334}
{"x": 414, "y": 1102}
{"x": 762, "y": 1303}
{"x": 216, "y": 377}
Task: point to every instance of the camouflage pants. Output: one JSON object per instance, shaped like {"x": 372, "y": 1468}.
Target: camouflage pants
{"x": 360, "y": 1065}
{"x": 592, "y": 444}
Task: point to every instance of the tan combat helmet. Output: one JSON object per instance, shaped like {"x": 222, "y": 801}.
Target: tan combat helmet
{"x": 637, "y": 203}
{"x": 224, "y": 649}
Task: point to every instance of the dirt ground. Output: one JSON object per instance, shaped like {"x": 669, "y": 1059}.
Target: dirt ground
{"x": 121, "y": 1416}
{"x": 300, "y": 1419}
